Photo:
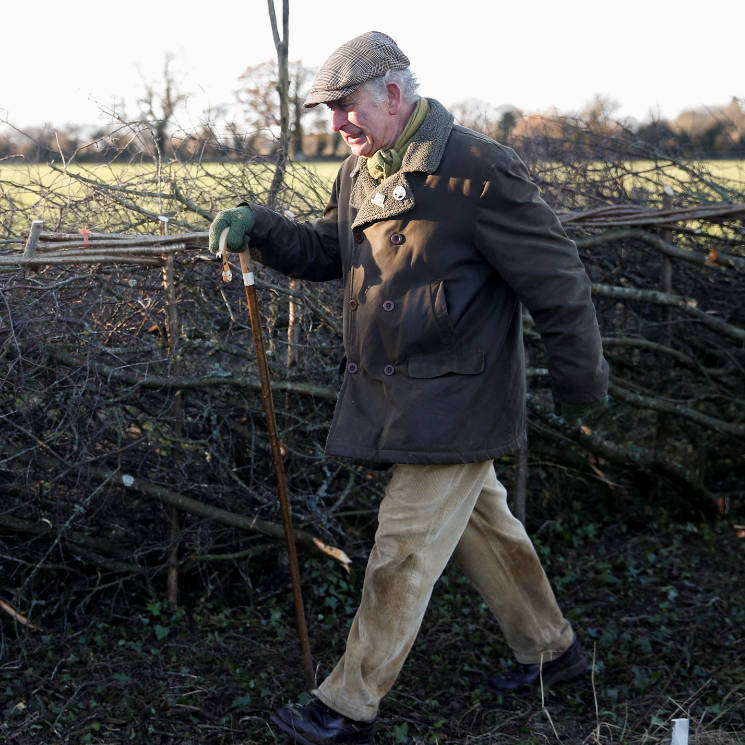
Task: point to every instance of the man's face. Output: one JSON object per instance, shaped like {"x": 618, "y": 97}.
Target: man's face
{"x": 366, "y": 125}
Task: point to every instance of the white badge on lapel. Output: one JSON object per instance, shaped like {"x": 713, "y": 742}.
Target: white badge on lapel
{"x": 399, "y": 193}
{"x": 378, "y": 200}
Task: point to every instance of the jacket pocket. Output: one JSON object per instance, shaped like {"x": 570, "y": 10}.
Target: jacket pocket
{"x": 434, "y": 366}
{"x": 440, "y": 311}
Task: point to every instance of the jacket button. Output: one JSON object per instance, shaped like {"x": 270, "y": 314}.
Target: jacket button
{"x": 388, "y": 305}
{"x": 389, "y": 370}
{"x": 352, "y": 367}
{"x": 353, "y": 304}
{"x": 398, "y": 238}
{"x": 359, "y": 236}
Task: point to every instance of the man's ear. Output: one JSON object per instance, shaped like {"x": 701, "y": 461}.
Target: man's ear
{"x": 394, "y": 98}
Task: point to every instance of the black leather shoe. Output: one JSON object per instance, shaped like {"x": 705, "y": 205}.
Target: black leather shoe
{"x": 316, "y": 724}
{"x": 568, "y": 666}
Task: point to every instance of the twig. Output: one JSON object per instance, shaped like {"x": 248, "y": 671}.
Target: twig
{"x": 16, "y": 616}
{"x": 199, "y": 381}
{"x": 193, "y": 206}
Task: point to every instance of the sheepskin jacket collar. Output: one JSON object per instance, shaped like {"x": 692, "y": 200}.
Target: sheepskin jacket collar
{"x": 424, "y": 154}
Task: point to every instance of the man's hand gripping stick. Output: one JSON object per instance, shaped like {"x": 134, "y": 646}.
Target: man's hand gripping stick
{"x": 246, "y": 269}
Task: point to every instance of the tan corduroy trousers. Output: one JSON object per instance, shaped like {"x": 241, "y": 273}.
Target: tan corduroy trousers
{"x": 428, "y": 514}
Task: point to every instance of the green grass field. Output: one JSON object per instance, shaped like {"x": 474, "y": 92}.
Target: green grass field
{"x": 40, "y": 191}
{"x": 23, "y": 175}
{"x": 36, "y": 187}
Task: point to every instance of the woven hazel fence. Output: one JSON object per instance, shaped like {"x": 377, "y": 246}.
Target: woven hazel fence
{"x": 123, "y": 354}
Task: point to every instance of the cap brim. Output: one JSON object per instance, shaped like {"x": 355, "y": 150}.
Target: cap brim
{"x": 325, "y": 96}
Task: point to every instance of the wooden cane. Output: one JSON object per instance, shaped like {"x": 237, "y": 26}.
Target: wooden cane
{"x": 266, "y": 392}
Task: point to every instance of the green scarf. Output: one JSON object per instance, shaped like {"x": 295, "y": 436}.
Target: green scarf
{"x": 384, "y": 163}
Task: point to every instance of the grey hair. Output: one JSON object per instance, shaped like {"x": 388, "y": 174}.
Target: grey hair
{"x": 404, "y": 79}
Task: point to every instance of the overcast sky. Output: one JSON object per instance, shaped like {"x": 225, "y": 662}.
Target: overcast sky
{"x": 65, "y": 62}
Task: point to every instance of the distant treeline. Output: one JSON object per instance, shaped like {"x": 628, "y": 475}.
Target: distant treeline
{"x": 705, "y": 132}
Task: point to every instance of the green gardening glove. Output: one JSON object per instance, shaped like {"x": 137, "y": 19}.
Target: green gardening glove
{"x": 574, "y": 414}
{"x": 239, "y": 221}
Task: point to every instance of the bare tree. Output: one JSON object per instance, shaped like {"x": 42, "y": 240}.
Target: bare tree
{"x": 159, "y": 103}
{"x": 598, "y": 113}
{"x": 478, "y": 115}
{"x": 281, "y": 44}
{"x": 260, "y": 99}
{"x": 713, "y": 128}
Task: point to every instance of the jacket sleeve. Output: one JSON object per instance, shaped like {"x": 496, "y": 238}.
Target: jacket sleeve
{"x": 522, "y": 238}
{"x": 306, "y": 250}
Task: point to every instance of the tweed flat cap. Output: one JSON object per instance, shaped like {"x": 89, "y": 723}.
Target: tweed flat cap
{"x": 365, "y": 57}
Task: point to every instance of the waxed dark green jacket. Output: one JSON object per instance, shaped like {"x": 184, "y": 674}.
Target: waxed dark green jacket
{"x": 435, "y": 261}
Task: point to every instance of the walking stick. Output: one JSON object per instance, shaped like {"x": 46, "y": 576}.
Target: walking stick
{"x": 266, "y": 392}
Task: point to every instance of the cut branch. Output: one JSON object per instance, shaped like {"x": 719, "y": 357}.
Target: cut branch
{"x": 187, "y": 504}
{"x": 667, "y": 407}
{"x": 675, "y": 301}
{"x": 718, "y": 259}
{"x": 633, "y": 456}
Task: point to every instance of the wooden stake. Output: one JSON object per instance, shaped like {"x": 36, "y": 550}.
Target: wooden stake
{"x": 172, "y": 331}
{"x": 33, "y": 238}
{"x": 666, "y": 285}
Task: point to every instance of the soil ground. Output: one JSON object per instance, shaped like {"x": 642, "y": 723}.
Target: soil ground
{"x": 660, "y": 608}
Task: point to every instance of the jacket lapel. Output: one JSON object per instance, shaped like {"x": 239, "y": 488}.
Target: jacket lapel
{"x": 393, "y": 196}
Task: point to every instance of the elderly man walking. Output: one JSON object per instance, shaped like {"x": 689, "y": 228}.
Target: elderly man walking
{"x": 439, "y": 236}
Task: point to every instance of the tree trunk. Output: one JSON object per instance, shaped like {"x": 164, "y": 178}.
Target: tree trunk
{"x": 281, "y": 44}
